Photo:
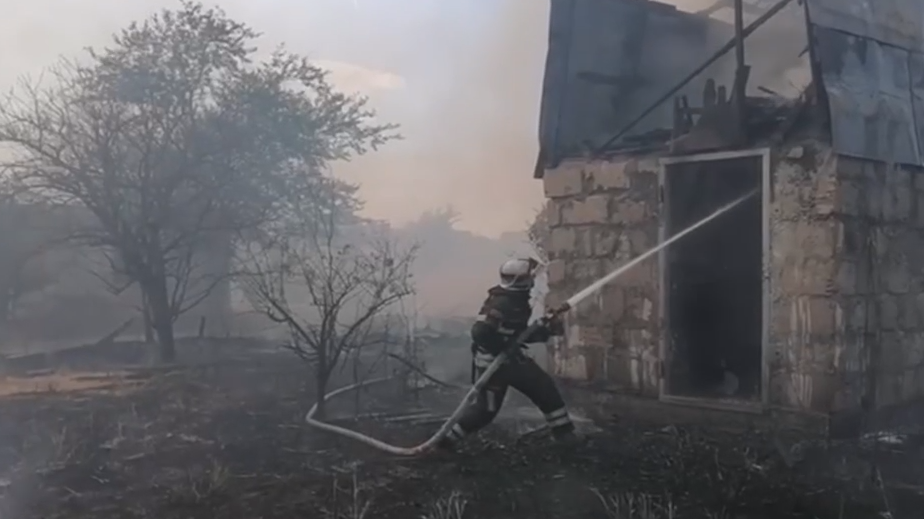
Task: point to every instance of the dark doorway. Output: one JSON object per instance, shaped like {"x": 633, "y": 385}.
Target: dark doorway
{"x": 714, "y": 280}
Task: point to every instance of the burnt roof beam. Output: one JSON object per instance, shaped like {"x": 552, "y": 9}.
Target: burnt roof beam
{"x": 753, "y": 26}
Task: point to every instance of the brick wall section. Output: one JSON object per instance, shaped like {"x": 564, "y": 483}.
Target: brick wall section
{"x": 603, "y": 213}
{"x": 881, "y": 279}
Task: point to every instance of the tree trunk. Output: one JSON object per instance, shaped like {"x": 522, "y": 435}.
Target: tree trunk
{"x": 162, "y": 320}
{"x": 148, "y": 322}
{"x": 356, "y": 394}
{"x": 322, "y": 374}
{"x": 321, "y": 389}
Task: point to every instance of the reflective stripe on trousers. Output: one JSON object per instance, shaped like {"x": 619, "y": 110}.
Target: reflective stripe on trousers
{"x": 456, "y": 433}
{"x": 558, "y": 418}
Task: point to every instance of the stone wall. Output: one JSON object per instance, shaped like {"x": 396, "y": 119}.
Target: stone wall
{"x": 813, "y": 362}
{"x": 601, "y": 214}
{"x": 881, "y": 279}
{"x": 846, "y": 275}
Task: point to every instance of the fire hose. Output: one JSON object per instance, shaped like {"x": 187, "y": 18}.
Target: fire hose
{"x": 479, "y": 384}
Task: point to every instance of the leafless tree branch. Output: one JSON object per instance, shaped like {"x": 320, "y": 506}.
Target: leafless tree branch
{"x": 174, "y": 137}
{"x": 348, "y": 284}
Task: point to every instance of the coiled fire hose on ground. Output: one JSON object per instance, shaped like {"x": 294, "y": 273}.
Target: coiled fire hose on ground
{"x": 479, "y": 384}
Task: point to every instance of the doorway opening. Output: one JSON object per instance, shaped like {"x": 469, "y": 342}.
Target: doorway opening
{"x": 713, "y": 288}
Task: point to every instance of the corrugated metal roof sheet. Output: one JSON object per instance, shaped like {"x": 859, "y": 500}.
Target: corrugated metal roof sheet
{"x": 870, "y": 55}
{"x": 873, "y": 71}
{"x": 869, "y": 93}
{"x": 895, "y": 22}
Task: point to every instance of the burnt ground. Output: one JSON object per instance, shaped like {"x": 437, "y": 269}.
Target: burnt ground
{"x": 226, "y": 440}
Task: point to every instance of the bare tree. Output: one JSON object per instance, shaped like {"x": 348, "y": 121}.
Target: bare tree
{"x": 22, "y": 243}
{"x": 176, "y": 135}
{"x": 336, "y": 289}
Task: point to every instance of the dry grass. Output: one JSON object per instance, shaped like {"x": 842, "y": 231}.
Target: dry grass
{"x": 451, "y": 506}
{"x": 212, "y": 482}
{"x": 65, "y": 382}
{"x": 635, "y": 506}
{"x": 350, "y": 501}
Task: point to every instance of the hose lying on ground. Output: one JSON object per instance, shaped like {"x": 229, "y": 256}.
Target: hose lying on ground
{"x": 494, "y": 366}
{"x": 438, "y": 436}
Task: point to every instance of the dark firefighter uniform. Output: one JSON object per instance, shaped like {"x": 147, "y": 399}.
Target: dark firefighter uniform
{"x": 504, "y": 316}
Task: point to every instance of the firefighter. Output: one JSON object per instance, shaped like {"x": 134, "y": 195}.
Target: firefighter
{"x": 504, "y": 316}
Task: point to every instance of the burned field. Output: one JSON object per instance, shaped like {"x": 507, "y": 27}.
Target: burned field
{"x": 225, "y": 439}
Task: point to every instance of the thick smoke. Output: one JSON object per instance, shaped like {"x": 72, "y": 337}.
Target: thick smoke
{"x": 469, "y": 115}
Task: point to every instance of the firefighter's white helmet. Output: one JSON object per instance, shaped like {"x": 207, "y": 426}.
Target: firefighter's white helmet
{"x": 518, "y": 274}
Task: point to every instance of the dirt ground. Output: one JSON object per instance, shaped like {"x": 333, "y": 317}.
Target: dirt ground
{"x": 226, "y": 440}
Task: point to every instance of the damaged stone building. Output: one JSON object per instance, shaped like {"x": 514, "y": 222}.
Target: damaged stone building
{"x": 803, "y": 300}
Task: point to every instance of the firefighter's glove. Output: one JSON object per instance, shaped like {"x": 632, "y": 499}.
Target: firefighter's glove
{"x": 555, "y": 325}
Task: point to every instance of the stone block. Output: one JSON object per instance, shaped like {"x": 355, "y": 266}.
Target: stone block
{"x": 592, "y": 209}
{"x": 888, "y": 390}
{"x": 852, "y": 352}
{"x": 583, "y": 271}
{"x": 565, "y": 180}
{"x": 896, "y": 276}
{"x": 910, "y": 385}
{"x": 848, "y": 167}
{"x": 556, "y": 297}
{"x": 822, "y": 316}
{"x": 786, "y": 203}
{"x": 891, "y": 352}
{"x": 823, "y": 354}
{"x": 919, "y": 376}
{"x": 640, "y": 308}
{"x": 630, "y": 212}
{"x": 790, "y": 275}
{"x": 919, "y": 303}
{"x": 847, "y": 278}
{"x": 807, "y": 276}
{"x": 569, "y": 365}
{"x": 641, "y": 275}
{"x": 898, "y": 196}
{"x": 645, "y": 184}
{"x": 607, "y": 175}
{"x": 595, "y": 358}
{"x": 781, "y": 316}
{"x": 555, "y": 271}
{"x": 562, "y": 241}
{"x": 919, "y": 214}
{"x": 623, "y": 250}
{"x": 605, "y": 241}
{"x": 552, "y": 213}
{"x": 818, "y": 238}
{"x": 613, "y": 302}
{"x": 914, "y": 350}
{"x": 818, "y": 276}
{"x": 641, "y": 241}
{"x": 584, "y": 242}
{"x": 888, "y": 312}
{"x": 618, "y": 365}
{"x": 917, "y": 179}
{"x": 826, "y": 190}
{"x": 849, "y": 198}
{"x": 855, "y": 310}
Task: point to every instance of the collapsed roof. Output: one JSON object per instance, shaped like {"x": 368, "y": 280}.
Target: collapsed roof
{"x": 629, "y": 73}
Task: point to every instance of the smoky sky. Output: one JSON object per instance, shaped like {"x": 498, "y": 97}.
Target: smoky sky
{"x": 462, "y": 77}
